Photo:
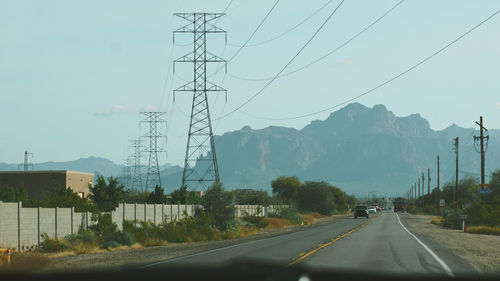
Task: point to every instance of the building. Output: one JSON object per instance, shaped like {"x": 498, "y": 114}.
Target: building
{"x": 37, "y": 183}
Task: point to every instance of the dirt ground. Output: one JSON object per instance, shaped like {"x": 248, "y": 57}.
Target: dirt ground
{"x": 482, "y": 251}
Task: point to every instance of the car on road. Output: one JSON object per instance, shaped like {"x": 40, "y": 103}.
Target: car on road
{"x": 361, "y": 211}
{"x": 372, "y": 210}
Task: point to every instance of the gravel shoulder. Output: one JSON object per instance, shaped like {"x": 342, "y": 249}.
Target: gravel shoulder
{"x": 482, "y": 251}
{"x": 117, "y": 260}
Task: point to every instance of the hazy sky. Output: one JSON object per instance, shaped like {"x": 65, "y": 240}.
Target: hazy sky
{"x": 75, "y": 74}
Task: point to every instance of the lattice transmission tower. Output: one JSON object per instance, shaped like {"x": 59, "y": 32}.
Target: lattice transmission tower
{"x": 136, "y": 180}
{"x": 154, "y": 119}
{"x": 127, "y": 171}
{"x": 200, "y": 163}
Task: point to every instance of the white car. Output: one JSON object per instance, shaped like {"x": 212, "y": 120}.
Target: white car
{"x": 372, "y": 210}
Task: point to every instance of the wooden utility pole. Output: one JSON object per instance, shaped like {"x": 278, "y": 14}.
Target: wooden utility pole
{"x": 456, "y": 173}
{"x": 481, "y": 138}
{"x": 429, "y": 181}
{"x": 439, "y": 195}
{"x": 418, "y": 191}
{"x": 423, "y": 190}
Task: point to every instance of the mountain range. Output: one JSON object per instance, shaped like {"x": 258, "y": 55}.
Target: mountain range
{"x": 356, "y": 148}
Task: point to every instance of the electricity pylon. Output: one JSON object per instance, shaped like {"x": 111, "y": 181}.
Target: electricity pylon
{"x": 200, "y": 163}
{"x": 153, "y": 119}
{"x": 136, "y": 178}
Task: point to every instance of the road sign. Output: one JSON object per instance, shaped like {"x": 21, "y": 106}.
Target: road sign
{"x": 441, "y": 203}
{"x": 486, "y": 191}
{"x": 463, "y": 217}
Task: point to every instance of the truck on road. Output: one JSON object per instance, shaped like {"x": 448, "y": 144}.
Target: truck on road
{"x": 399, "y": 204}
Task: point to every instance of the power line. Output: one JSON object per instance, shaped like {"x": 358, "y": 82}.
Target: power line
{"x": 287, "y": 31}
{"x": 374, "y": 88}
{"x": 289, "y": 62}
{"x": 325, "y": 55}
{"x": 253, "y": 33}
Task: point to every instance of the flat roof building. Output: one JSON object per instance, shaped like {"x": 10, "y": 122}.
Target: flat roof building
{"x": 37, "y": 183}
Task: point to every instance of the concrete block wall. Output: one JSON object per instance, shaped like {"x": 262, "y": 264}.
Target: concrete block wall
{"x": 9, "y": 223}
{"x": 21, "y": 228}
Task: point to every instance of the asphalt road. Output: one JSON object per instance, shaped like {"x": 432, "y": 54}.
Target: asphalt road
{"x": 380, "y": 244}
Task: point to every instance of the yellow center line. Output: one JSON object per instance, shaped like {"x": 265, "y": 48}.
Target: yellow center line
{"x": 304, "y": 255}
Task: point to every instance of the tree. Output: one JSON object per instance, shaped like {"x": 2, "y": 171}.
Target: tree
{"x": 65, "y": 198}
{"x": 287, "y": 188}
{"x": 494, "y": 197}
{"x": 179, "y": 196}
{"x": 136, "y": 196}
{"x": 220, "y": 205}
{"x": 252, "y": 197}
{"x": 317, "y": 197}
{"x": 467, "y": 193}
{"x": 157, "y": 196}
{"x": 323, "y": 198}
{"x": 16, "y": 194}
{"x": 107, "y": 196}
{"x": 183, "y": 196}
{"x": 13, "y": 194}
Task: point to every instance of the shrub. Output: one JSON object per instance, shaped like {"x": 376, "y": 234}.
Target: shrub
{"x": 110, "y": 244}
{"x": 256, "y": 221}
{"x": 452, "y": 220}
{"x": 103, "y": 224}
{"x": 83, "y": 236}
{"x": 121, "y": 237}
{"x": 51, "y": 245}
{"x": 483, "y": 229}
{"x": 289, "y": 213}
{"x": 219, "y": 204}
{"x": 437, "y": 221}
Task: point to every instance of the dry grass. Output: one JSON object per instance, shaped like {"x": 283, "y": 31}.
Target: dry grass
{"x": 483, "y": 229}
{"x": 247, "y": 231}
{"x": 311, "y": 217}
{"x": 437, "y": 220}
{"x": 153, "y": 242}
{"x": 277, "y": 223}
{"x": 28, "y": 262}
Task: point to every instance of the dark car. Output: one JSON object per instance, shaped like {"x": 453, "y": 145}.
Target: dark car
{"x": 361, "y": 211}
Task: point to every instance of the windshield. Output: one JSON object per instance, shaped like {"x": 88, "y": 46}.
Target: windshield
{"x": 302, "y": 134}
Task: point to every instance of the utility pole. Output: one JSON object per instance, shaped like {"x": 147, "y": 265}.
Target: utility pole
{"x": 418, "y": 199}
{"x": 423, "y": 190}
{"x": 481, "y": 138}
{"x": 456, "y": 172}
{"x": 439, "y": 192}
{"x": 415, "y": 193}
{"x": 200, "y": 149}
{"x": 136, "y": 178}
{"x": 154, "y": 119}
{"x": 429, "y": 182}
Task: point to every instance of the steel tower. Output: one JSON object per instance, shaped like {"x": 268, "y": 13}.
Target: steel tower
{"x": 200, "y": 163}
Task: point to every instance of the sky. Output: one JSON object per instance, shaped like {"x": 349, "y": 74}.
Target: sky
{"x": 75, "y": 75}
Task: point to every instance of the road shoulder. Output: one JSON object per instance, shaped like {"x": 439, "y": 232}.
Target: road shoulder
{"x": 457, "y": 249}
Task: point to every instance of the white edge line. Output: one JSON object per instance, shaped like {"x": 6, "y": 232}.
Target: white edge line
{"x": 445, "y": 267}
